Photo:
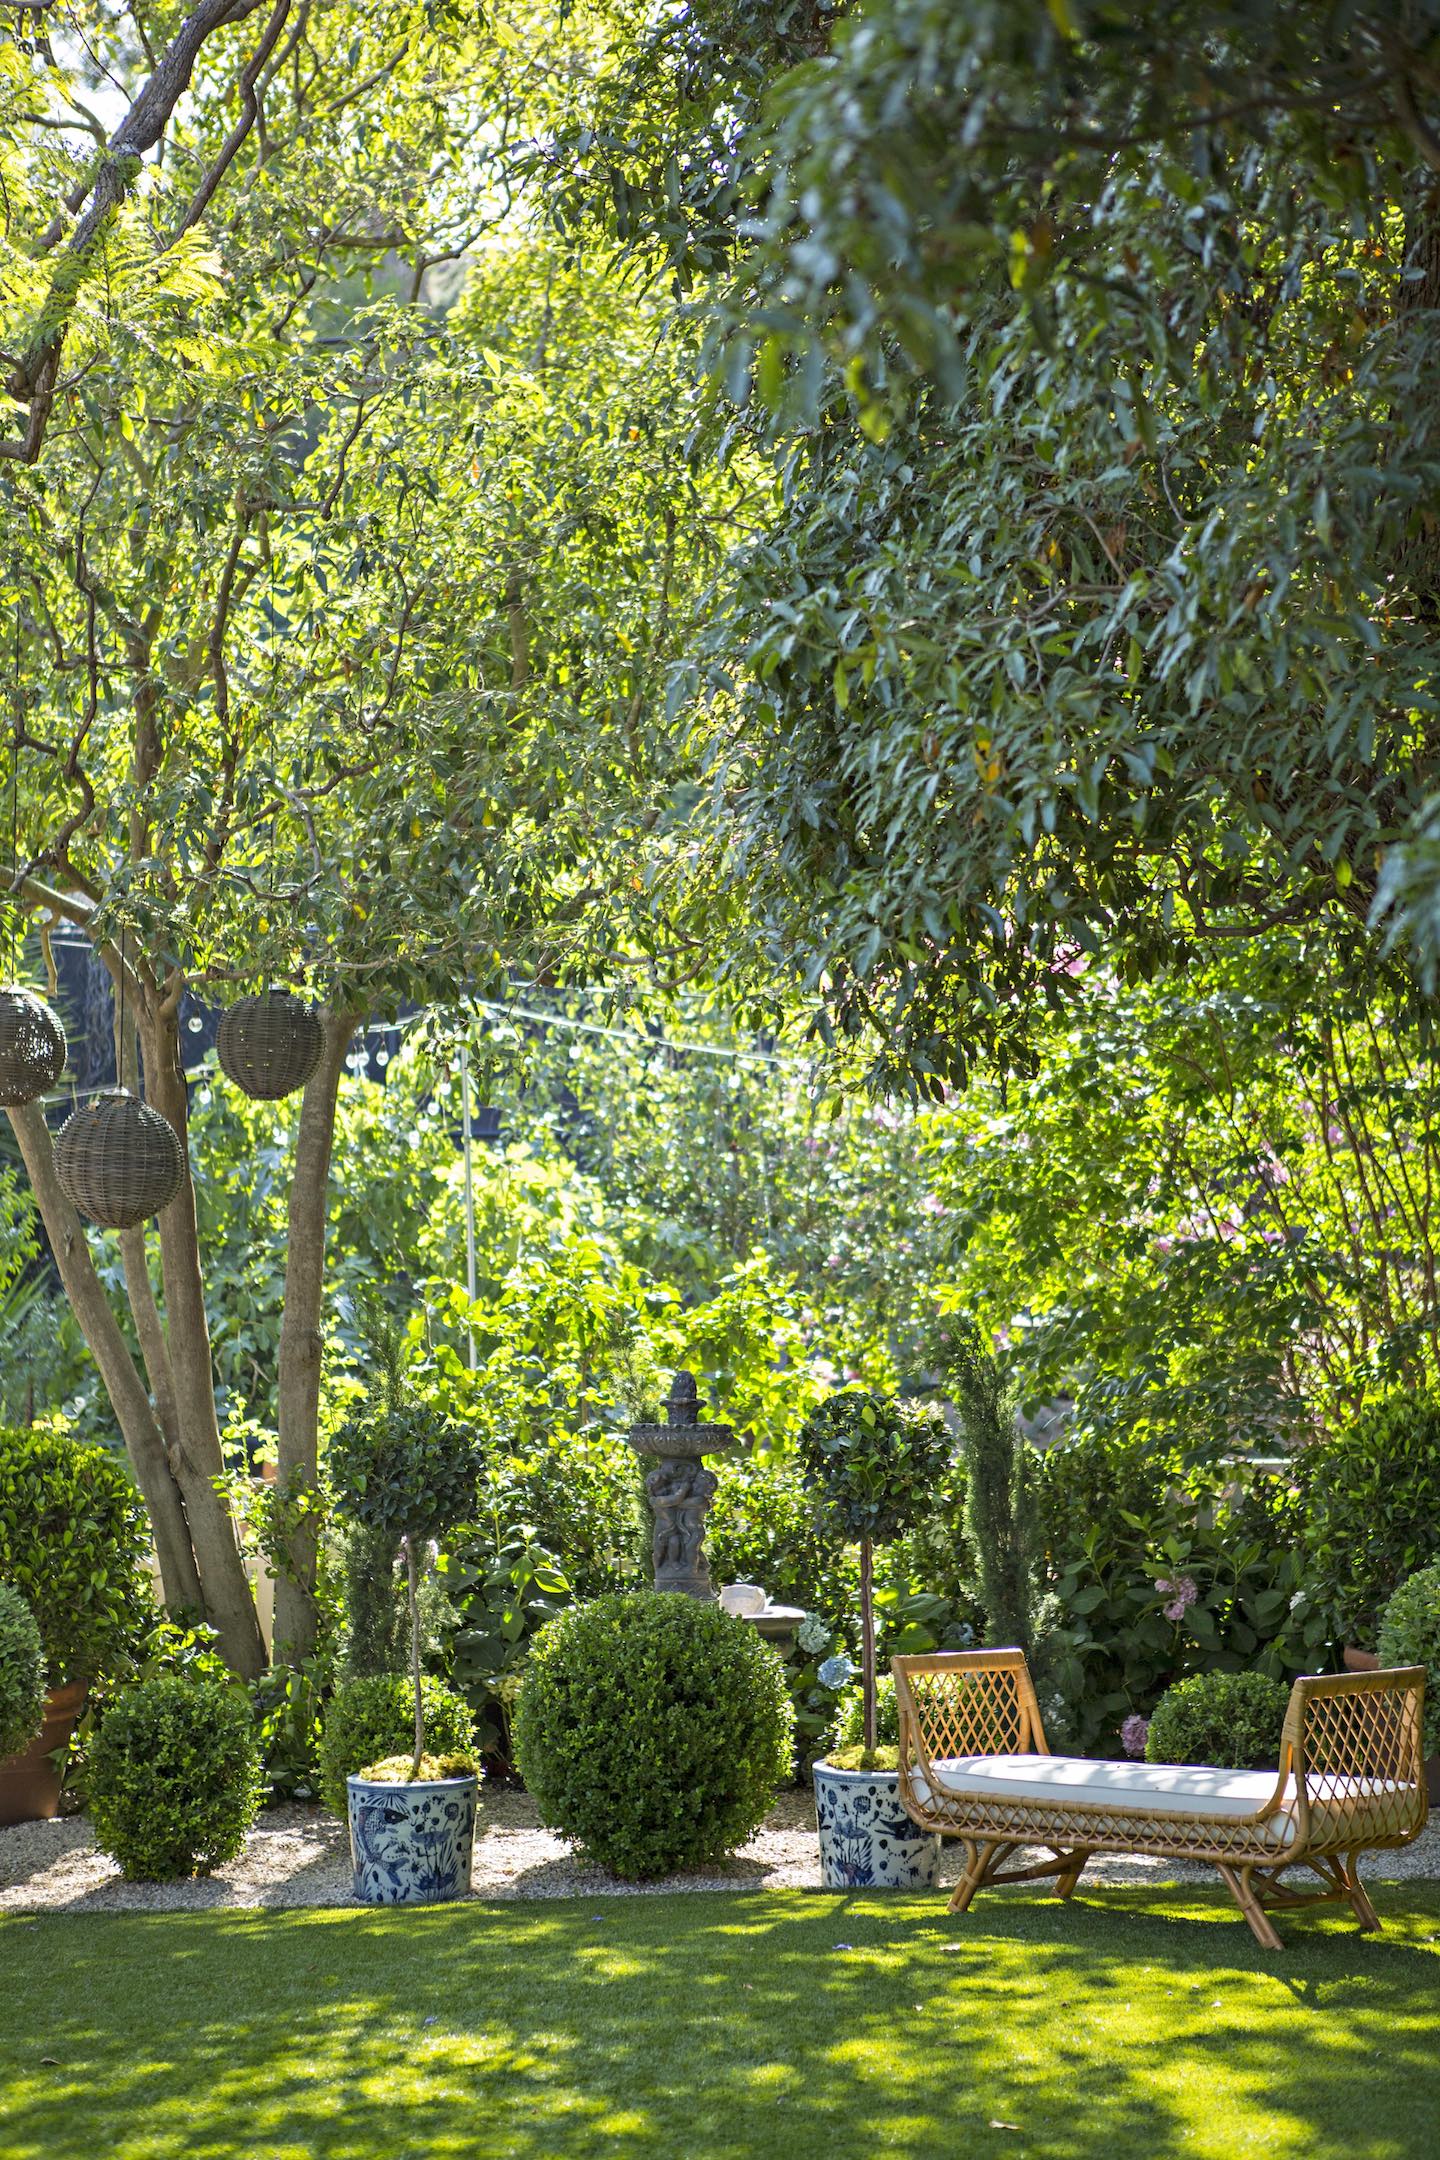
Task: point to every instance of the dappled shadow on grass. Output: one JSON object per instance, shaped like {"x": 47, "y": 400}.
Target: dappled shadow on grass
{"x": 764, "y": 2026}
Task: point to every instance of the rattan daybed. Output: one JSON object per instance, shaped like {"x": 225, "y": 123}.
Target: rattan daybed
{"x": 974, "y": 1765}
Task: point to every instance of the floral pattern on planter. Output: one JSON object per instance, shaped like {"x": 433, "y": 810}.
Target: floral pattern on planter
{"x": 411, "y": 1844}
{"x": 867, "y": 1841}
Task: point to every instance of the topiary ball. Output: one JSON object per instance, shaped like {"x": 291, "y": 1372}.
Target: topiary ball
{"x": 373, "y": 1717}
{"x": 1229, "y": 1719}
{"x": 1410, "y": 1635}
{"x": 73, "y": 1541}
{"x": 174, "y": 1778}
{"x": 874, "y": 1465}
{"x": 653, "y": 1729}
{"x": 22, "y": 1674}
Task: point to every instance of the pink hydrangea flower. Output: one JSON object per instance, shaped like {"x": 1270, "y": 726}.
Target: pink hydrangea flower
{"x": 1182, "y": 1594}
{"x": 1133, "y": 1734}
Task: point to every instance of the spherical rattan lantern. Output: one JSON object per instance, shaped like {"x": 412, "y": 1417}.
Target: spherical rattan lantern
{"x": 32, "y": 1047}
{"x": 118, "y": 1161}
{"x": 271, "y": 1044}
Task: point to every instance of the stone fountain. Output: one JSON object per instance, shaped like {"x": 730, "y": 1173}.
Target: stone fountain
{"x": 680, "y": 1488}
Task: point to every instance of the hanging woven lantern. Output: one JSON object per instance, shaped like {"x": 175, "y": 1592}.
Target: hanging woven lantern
{"x": 32, "y": 1046}
{"x": 271, "y": 1044}
{"x": 118, "y": 1161}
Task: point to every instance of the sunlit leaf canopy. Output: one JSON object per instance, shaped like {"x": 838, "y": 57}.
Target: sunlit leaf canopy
{"x": 1093, "y": 347}
{"x": 339, "y": 595}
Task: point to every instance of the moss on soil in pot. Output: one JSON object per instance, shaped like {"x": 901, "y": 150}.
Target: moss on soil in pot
{"x": 433, "y": 1770}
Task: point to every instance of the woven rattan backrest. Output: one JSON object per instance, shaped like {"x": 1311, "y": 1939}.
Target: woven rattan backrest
{"x": 966, "y": 1702}
{"x": 1354, "y": 1739}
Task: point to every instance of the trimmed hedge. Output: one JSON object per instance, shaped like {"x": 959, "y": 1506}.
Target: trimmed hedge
{"x": 653, "y": 1729}
{"x": 373, "y": 1717}
{"x": 174, "y": 1778}
{"x": 1230, "y": 1719}
{"x": 22, "y": 1674}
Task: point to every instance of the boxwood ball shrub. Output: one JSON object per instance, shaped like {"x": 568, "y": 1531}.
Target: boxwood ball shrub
{"x": 374, "y": 1717}
{"x": 174, "y": 1777}
{"x": 1230, "y": 1719}
{"x": 653, "y": 1729}
{"x": 73, "y": 1542}
{"x": 22, "y": 1674}
{"x": 1410, "y": 1635}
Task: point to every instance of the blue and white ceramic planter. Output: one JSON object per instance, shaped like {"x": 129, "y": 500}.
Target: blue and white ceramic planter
{"x": 411, "y": 1844}
{"x": 867, "y": 1841}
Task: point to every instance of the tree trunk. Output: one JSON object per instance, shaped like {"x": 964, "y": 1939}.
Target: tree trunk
{"x": 144, "y": 1441}
{"x": 302, "y": 1344}
{"x": 229, "y": 1605}
{"x": 867, "y": 1641}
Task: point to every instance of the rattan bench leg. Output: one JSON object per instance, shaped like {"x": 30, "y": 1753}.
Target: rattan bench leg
{"x": 979, "y": 1859}
{"x": 1242, "y": 1889}
{"x": 1066, "y": 1881}
{"x": 1364, "y": 1911}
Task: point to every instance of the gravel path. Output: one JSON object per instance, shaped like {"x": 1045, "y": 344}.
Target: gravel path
{"x": 300, "y": 1856}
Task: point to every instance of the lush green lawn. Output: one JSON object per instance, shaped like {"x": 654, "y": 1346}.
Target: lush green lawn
{"x": 708, "y": 2027}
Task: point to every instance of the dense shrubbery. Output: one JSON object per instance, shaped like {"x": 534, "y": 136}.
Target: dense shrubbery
{"x": 653, "y": 1729}
{"x": 373, "y": 1717}
{"x": 22, "y": 1673}
{"x": 73, "y": 1540}
{"x": 1373, "y": 1510}
{"x": 1410, "y": 1635}
{"x": 1158, "y": 1574}
{"x": 174, "y": 1777}
{"x": 1230, "y": 1719}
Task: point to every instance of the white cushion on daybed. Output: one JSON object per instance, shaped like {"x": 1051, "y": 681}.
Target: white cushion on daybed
{"x": 1132, "y": 1786}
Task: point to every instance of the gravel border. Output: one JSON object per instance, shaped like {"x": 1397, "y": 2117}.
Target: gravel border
{"x": 297, "y": 1856}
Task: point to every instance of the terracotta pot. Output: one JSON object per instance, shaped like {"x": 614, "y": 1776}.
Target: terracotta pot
{"x": 1360, "y": 1660}
{"x": 29, "y": 1782}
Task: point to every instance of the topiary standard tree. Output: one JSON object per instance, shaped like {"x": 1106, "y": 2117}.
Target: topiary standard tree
{"x": 408, "y": 1474}
{"x": 873, "y": 1466}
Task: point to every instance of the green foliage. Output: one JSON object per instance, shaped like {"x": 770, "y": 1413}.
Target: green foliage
{"x": 73, "y": 1542}
{"x": 1155, "y": 1576}
{"x": 1373, "y": 1514}
{"x": 1230, "y": 1719}
{"x": 288, "y": 1706}
{"x": 851, "y": 1731}
{"x": 174, "y": 1778}
{"x": 370, "y": 1718}
{"x": 1096, "y": 680}
{"x": 763, "y": 1527}
{"x": 1410, "y": 1635}
{"x": 653, "y": 1729}
{"x": 403, "y": 1472}
{"x": 22, "y": 1673}
{"x": 874, "y": 1466}
{"x": 999, "y": 1513}
{"x": 375, "y": 1629}
{"x": 500, "y": 1601}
